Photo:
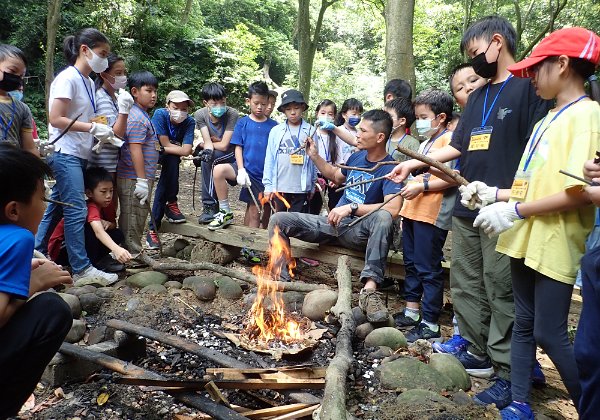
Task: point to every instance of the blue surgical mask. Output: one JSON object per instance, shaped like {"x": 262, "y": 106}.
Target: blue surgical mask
{"x": 16, "y": 94}
{"x": 218, "y": 111}
{"x": 353, "y": 121}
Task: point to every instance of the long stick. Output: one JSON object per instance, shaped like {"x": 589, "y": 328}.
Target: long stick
{"x": 373, "y": 169}
{"x": 61, "y": 203}
{"x": 578, "y": 178}
{"x": 390, "y": 198}
{"x": 366, "y": 181}
{"x": 259, "y": 208}
{"x": 66, "y": 130}
{"x": 434, "y": 163}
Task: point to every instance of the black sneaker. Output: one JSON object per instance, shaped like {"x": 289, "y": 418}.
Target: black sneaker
{"x": 422, "y": 331}
{"x": 498, "y": 394}
{"x": 208, "y": 214}
{"x": 404, "y": 321}
{"x": 476, "y": 366}
{"x": 173, "y": 214}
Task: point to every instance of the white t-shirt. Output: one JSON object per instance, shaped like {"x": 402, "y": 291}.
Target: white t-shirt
{"x": 70, "y": 84}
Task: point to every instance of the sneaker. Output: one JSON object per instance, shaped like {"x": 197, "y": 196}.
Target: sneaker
{"x": 517, "y": 411}
{"x": 152, "y": 239}
{"x": 422, "y": 331}
{"x": 403, "y": 321}
{"x": 109, "y": 264}
{"x": 498, "y": 394}
{"x": 475, "y": 366}
{"x": 250, "y": 255}
{"x": 92, "y": 273}
{"x": 538, "y": 379}
{"x": 173, "y": 214}
{"x": 208, "y": 214}
{"x": 370, "y": 302}
{"x": 222, "y": 218}
{"x": 453, "y": 346}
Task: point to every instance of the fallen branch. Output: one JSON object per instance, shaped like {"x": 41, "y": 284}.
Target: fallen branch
{"x": 435, "y": 164}
{"x": 373, "y": 169}
{"x": 364, "y": 216}
{"x": 334, "y": 398}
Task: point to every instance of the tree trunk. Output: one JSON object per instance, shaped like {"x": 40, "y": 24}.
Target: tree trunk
{"x": 399, "y": 58}
{"x": 186, "y": 12}
{"x": 51, "y": 29}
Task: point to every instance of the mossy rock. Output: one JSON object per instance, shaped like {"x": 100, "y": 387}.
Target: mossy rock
{"x": 452, "y": 368}
{"x": 386, "y": 336}
{"x": 146, "y": 278}
{"x": 408, "y": 373}
{"x": 228, "y": 288}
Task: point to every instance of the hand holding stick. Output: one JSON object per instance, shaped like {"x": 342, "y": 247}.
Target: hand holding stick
{"x": 303, "y": 145}
{"x": 578, "y": 178}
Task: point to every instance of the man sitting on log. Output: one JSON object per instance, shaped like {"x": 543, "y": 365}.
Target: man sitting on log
{"x": 374, "y": 232}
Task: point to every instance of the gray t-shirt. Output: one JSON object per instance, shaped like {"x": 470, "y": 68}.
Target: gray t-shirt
{"x": 15, "y": 116}
{"x": 226, "y": 122}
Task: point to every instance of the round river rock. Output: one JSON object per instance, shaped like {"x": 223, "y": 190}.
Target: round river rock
{"x": 146, "y": 278}
{"x": 386, "y": 336}
{"x": 318, "y": 303}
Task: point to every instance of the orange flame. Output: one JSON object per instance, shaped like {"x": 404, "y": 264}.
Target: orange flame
{"x": 283, "y": 200}
{"x": 262, "y": 199}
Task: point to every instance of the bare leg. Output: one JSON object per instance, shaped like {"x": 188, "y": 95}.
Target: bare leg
{"x": 221, "y": 174}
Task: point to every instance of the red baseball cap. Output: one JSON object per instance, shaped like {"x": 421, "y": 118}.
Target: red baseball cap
{"x": 572, "y": 42}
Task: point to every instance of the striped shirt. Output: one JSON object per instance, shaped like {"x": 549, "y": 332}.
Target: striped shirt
{"x": 109, "y": 155}
{"x": 139, "y": 131}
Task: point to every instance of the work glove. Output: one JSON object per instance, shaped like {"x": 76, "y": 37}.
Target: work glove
{"x": 497, "y": 218}
{"x": 114, "y": 141}
{"x": 102, "y": 132}
{"x": 243, "y": 179}
{"x": 46, "y": 148}
{"x": 486, "y": 194}
{"x": 141, "y": 190}
{"x": 124, "y": 101}
{"x": 206, "y": 155}
{"x": 48, "y": 185}
{"x": 326, "y": 125}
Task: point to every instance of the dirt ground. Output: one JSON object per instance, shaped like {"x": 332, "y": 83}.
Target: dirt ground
{"x": 181, "y": 313}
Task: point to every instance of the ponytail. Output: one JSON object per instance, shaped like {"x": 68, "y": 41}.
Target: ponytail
{"x": 594, "y": 87}
{"x": 88, "y": 36}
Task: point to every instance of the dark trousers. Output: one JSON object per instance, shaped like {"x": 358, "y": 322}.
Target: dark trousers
{"x": 316, "y": 202}
{"x": 95, "y": 249}
{"x": 209, "y": 195}
{"x": 167, "y": 187}
{"x": 423, "y": 251}
{"x": 541, "y": 314}
{"x": 28, "y": 342}
{"x": 587, "y": 340}
{"x": 298, "y": 202}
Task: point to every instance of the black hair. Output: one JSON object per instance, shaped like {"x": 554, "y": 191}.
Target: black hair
{"x": 88, "y": 36}
{"x": 273, "y": 94}
{"x": 455, "y": 71}
{"x": 333, "y": 150}
{"x": 399, "y": 88}
{"x": 584, "y": 69}
{"x": 485, "y": 28}
{"x": 112, "y": 60}
{"x": 20, "y": 175}
{"x": 213, "y": 91}
{"x": 438, "y": 101}
{"x": 94, "y": 175}
{"x": 456, "y": 115}
{"x": 349, "y": 104}
{"x": 381, "y": 120}
{"x": 140, "y": 79}
{"x": 257, "y": 88}
{"x": 404, "y": 109}
{"x": 7, "y": 51}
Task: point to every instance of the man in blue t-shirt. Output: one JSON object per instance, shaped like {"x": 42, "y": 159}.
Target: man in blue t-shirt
{"x": 373, "y": 233}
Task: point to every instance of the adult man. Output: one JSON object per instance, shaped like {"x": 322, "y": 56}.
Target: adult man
{"x": 374, "y": 233}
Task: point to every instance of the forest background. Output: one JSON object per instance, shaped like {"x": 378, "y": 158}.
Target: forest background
{"x": 330, "y": 49}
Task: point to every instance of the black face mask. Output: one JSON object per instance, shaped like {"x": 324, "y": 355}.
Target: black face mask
{"x": 481, "y": 66}
{"x": 10, "y": 82}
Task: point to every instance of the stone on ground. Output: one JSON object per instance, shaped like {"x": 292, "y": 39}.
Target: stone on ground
{"x": 189, "y": 282}
{"x": 318, "y": 303}
{"x": 169, "y": 251}
{"x": 228, "y": 288}
{"x": 359, "y": 316}
{"x": 105, "y": 292}
{"x": 408, "y": 373}
{"x": 215, "y": 253}
{"x": 386, "y": 336}
{"x": 293, "y": 300}
{"x": 173, "y": 285}
{"x": 154, "y": 289}
{"x": 363, "y": 330}
{"x": 91, "y": 281}
{"x": 452, "y": 368}
{"x": 423, "y": 398}
{"x": 180, "y": 244}
{"x": 381, "y": 353}
{"x": 90, "y": 303}
{"x": 146, "y": 278}
{"x": 76, "y": 332}
{"x": 73, "y": 302}
{"x": 205, "y": 289}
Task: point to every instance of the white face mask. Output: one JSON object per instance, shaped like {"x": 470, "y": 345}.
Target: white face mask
{"x": 97, "y": 63}
{"x": 424, "y": 128}
{"x": 120, "y": 82}
{"x": 178, "y": 116}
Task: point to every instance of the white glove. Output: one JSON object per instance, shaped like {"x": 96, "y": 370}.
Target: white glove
{"x": 46, "y": 149}
{"x": 114, "y": 141}
{"x": 48, "y": 184}
{"x": 141, "y": 190}
{"x": 102, "y": 132}
{"x": 124, "y": 101}
{"x": 243, "y": 179}
{"x": 496, "y": 218}
{"x": 486, "y": 194}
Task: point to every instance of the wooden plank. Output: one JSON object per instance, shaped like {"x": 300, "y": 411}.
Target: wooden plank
{"x": 298, "y": 414}
{"x": 274, "y": 411}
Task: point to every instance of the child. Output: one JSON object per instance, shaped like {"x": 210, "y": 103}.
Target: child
{"x": 287, "y": 170}
{"x": 454, "y": 121}
{"x": 489, "y": 148}
{"x": 426, "y": 220}
{"x": 463, "y": 81}
{"x": 403, "y": 115}
{"x": 137, "y": 163}
{"x": 397, "y": 88}
{"x": 101, "y": 233}
{"x": 216, "y": 122}
{"x": 175, "y": 130}
{"x": 72, "y": 93}
{"x": 550, "y": 218}
{"x": 345, "y": 125}
{"x": 250, "y": 137}
{"x": 15, "y": 117}
{"x": 31, "y": 328}
{"x": 271, "y": 106}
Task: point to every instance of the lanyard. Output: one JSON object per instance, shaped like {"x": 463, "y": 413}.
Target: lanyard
{"x": 535, "y": 139}
{"x": 390, "y": 142}
{"x": 6, "y": 126}
{"x": 433, "y": 139}
{"x": 90, "y": 92}
{"x": 111, "y": 100}
{"x": 215, "y": 128}
{"x": 297, "y": 142}
{"x": 325, "y": 148}
{"x": 486, "y": 115}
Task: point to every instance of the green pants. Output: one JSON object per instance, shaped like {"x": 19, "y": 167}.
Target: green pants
{"x": 480, "y": 283}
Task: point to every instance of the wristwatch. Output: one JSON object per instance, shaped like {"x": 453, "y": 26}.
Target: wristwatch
{"x": 353, "y": 209}
{"x": 425, "y": 184}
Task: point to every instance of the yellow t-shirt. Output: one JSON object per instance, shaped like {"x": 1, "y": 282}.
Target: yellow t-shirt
{"x": 553, "y": 244}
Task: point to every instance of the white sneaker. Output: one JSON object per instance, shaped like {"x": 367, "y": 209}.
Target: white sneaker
{"x": 94, "y": 276}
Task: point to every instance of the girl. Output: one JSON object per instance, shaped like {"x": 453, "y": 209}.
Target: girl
{"x": 116, "y": 111}
{"x": 72, "y": 93}
{"x": 551, "y": 215}
{"x": 345, "y": 126}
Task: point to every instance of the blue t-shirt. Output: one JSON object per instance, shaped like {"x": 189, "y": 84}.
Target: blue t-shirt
{"x": 253, "y": 137}
{"x": 372, "y": 192}
{"x": 16, "y": 251}
{"x": 180, "y": 134}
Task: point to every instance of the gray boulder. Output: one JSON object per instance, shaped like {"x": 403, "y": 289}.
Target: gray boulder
{"x": 105, "y": 292}
{"x": 189, "y": 282}
{"x": 228, "y": 288}
{"x": 408, "y": 373}
{"x": 359, "y": 316}
{"x": 73, "y": 302}
{"x": 90, "y": 303}
{"x": 293, "y": 300}
{"x": 180, "y": 244}
{"x": 154, "y": 289}
{"x": 173, "y": 285}
{"x": 363, "y": 330}
{"x": 146, "y": 278}
{"x": 386, "y": 336}
{"x": 452, "y": 368}
{"x": 318, "y": 303}
{"x": 205, "y": 289}
{"x": 424, "y": 398}
{"x": 76, "y": 332}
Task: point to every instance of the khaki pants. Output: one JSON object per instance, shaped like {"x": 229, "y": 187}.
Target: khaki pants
{"x": 133, "y": 216}
{"x": 481, "y": 287}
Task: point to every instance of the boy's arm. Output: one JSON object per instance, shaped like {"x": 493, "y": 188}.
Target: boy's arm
{"x": 208, "y": 143}
{"x": 223, "y": 145}
{"x": 328, "y": 171}
{"x": 239, "y": 156}
{"x": 137, "y": 158}
{"x": 413, "y": 189}
{"x": 270, "y": 159}
{"x": 121, "y": 254}
{"x": 27, "y": 142}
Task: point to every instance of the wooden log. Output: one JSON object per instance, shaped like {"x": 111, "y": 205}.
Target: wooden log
{"x": 334, "y": 398}
{"x": 218, "y": 412}
{"x": 242, "y": 384}
{"x": 298, "y": 414}
{"x": 274, "y": 411}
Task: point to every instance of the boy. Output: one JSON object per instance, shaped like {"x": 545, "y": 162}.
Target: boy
{"x": 137, "y": 162}
{"x": 16, "y": 121}
{"x": 397, "y": 88}
{"x": 271, "y": 106}
{"x": 426, "y": 219}
{"x": 403, "y": 116}
{"x": 216, "y": 122}
{"x": 31, "y": 330}
{"x": 489, "y": 148}
{"x": 101, "y": 233}
{"x": 175, "y": 130}
{"x": 463, "y": 81}
{"x": 287, "y": 169}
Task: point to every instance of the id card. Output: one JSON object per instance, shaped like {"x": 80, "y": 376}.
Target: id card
{"x": 297, "y": 159}
{"x": 520, "y": 185}
{"x": 100, "y": 119}
{"x": 480, "y": 138}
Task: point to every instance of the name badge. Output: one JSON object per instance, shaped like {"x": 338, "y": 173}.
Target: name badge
{"x": 480, "y": 138}
{"x": 520, "y": 185}
{"x": 100, "y": 119}
{"x": 297, "y": 159}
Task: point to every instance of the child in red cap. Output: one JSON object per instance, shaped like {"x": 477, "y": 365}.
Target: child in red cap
{"x": 547, "y": 216}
